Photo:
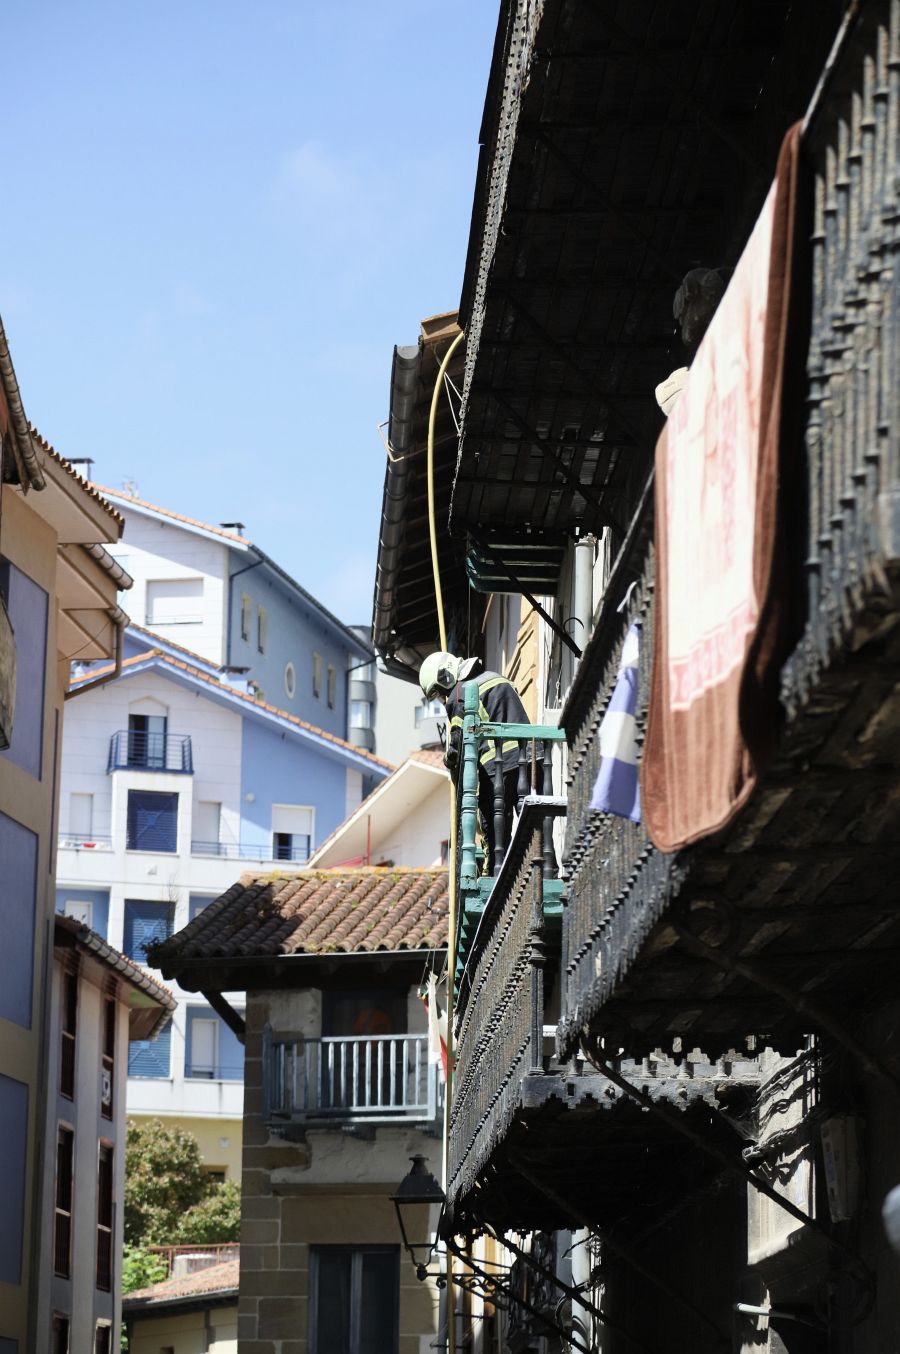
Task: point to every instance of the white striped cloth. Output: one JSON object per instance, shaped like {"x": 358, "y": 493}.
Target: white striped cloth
{"x": 616, "y": 787}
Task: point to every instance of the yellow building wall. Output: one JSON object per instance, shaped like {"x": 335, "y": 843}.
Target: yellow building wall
{"x": 30, "y": 544}
{"x": 522, "y": 668}
{"x": 211, "y": 1134}
{"x": 213, "y": 1331}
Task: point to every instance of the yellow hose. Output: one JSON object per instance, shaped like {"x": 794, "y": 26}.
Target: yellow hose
{"x": 432, "y": 533}
{"x": 451, "y": 920}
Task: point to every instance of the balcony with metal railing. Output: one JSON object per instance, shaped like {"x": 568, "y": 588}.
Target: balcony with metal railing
{"x": 143, "y": 750}
{"x": 316, "y": 1082}
{"x": 478, "y": 876}
{"x": 296, "y": 854}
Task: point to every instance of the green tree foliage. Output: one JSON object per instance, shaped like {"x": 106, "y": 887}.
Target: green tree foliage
{"x": 141, "y": 1268}
{"x": 168, "y": 1198}
{"x": 215, "y": 1218}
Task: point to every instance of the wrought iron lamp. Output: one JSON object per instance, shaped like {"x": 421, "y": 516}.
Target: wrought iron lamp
{"x": 417, "y": 1187}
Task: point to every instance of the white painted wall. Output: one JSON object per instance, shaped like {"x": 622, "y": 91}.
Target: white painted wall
{"x": 156, "y": 550}
{"x": 154, "y": 876}
{"x": 92, "y": 719}
{"x": 415, "y": 840}
{"x": 396, "y": 733}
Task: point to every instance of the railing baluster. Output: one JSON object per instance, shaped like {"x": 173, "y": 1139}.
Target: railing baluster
{"x": 499, "y": 807}
{"x": 522, "y": 783}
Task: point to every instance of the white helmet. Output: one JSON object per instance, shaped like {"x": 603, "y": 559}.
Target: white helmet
{"x": 439, "y": 673}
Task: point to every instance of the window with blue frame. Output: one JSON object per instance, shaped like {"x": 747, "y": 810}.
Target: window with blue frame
{"x": 212, "y": 1051}
{"x": 151, "y": 1057}
{"x": 152, "y": 821}
{"x": 145, "y": 923}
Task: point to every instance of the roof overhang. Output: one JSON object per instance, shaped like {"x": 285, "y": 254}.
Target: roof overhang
{"x": 254, "y": 973}
{"x": 75, "y": 511}
{"x": 88, "y": 582}
{"x": 380, "y": 814}
{"x": 623, "y": 144}
{"x": 149, "y": 1004}
{"x": 206, "y": 684}
{"x": 405, "y": 622}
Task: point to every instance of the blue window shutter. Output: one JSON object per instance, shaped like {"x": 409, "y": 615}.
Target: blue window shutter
{"x": 152, "y": 821}
{"x": 151, "y": 1057}
{"x": 145, "y": 922}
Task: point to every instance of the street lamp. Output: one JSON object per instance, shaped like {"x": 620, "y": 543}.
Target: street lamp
{"x": 416, "y": 1188}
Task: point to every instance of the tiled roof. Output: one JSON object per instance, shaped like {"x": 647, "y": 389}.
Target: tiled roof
{"x": 430, "y": 756}
{"x": 177, "y": 516}
{"x": 129, "y": 969}
{"x": 91, "y": 489}
{"x": 316, "y": 912}
{"x": 356, "y": 642}
{"x": 214, "y": 1279}
{"x": 171, "y": 661}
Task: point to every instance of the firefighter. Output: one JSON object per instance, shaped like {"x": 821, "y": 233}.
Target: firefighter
{"x": 442, "y": 677}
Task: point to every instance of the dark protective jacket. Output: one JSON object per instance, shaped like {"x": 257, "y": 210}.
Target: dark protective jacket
{"x": 498, "y": 702}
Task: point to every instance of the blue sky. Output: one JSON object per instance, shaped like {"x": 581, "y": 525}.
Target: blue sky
{"x": 219, "y": 219}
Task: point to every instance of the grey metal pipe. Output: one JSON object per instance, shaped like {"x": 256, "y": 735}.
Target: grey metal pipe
{"x": 583, "y": 590}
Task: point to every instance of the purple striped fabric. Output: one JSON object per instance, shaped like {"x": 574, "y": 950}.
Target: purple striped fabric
{"x": 616, "y": 787}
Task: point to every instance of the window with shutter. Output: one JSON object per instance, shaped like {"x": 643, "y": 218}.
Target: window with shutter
{"x": 62, "y": 1230}
{"x": 151, "y": 1057}
{"x": 145, "y": 924}
{"x": 152, "y": 821}
{"x": 105, "y": 1217}
{"x": 212, "y": 1050}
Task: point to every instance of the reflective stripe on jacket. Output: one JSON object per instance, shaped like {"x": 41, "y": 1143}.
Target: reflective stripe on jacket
{"x": 498, "y": 703}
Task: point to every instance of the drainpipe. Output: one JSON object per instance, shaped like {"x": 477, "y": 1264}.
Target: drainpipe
{"x": 120, "y": 620}
{"x": 583, "y": 591}
{"x": 231, "y": 577}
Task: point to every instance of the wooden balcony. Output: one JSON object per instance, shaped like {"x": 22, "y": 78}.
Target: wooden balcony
{"x": 787, "y": 921}
{"x": 387, "y": 1079}
{"x": 523, "y": 1124}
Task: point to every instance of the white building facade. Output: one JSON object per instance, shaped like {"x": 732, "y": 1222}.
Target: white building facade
{"x": 226, "y": 739}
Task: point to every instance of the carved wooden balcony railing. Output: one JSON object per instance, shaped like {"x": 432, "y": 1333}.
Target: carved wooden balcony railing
{"x": 476, "y": 876}
{"x": 615, "y": 880}
{"x": 783, "y": 923}
{"x": 500, "y": 1043}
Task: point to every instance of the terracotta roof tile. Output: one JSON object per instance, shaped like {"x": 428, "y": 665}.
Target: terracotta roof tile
{"x": 430, "y": 756}
{"x": 178, "y": 516}
{"x": 90, "y": 489}
{"x": 317, "y": 912}
{"x": 222, "y": 1278}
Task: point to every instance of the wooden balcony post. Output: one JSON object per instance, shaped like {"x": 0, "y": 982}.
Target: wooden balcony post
{"x": 468, "y": 871}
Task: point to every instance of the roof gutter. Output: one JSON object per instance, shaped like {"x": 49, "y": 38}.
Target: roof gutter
{"x": 121, "y": 577}
{"x": 119, "y": 620}
{"x": 19, "y": 423}
{"x": 404, "y": 381}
